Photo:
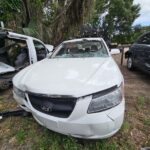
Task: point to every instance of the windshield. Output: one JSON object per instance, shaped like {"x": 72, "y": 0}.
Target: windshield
{"x": 81, "y": 49}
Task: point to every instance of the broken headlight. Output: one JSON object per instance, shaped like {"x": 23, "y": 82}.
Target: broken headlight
{"x": 106, "y": 101}
{"x": 18, "y": 92}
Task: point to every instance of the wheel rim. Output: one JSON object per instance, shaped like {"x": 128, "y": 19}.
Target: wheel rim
{"x": 129, "y": 63}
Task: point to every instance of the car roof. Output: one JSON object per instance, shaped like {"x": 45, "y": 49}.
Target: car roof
{"x": 81, "y": 39}
{"x": 13, "y": 35}
{"x": 20, "y": 36}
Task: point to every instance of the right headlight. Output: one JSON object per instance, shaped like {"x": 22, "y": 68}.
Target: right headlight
{"x": 107, "y": 101}
{"x": 19, "y": 92}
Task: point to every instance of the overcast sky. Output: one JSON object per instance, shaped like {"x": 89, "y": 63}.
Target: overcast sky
{"x": 144, "y": 18}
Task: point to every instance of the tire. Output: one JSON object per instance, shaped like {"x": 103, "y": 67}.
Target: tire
{"x": 130, "y": 65}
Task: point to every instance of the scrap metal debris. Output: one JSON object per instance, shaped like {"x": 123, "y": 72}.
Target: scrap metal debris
{"x": 16, "y": 112}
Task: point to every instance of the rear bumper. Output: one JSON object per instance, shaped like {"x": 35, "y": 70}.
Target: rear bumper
{"x": 80, "y": 124}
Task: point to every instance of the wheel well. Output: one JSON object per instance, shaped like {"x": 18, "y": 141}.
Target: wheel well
{"x": 128, "y": 54}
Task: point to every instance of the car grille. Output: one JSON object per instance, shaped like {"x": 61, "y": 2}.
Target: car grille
{"x": 58, "y": 107}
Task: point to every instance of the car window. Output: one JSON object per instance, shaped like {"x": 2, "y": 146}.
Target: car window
{"x": 145, "y": 39}
{"x": 41, "y": 50}
{"x": 81, "y": 49}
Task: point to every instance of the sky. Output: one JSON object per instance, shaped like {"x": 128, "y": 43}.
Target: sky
{"x": 144, "y": 18}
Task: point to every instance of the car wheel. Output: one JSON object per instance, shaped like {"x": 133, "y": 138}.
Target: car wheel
{"x": 130, "y": 63}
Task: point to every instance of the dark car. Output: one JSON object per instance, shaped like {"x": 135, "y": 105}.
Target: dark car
{"x": 139, "y": 54}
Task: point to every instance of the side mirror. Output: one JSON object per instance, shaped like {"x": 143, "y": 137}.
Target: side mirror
{"x": 49, "y": 54}
{"x": 114, "y": 51}
{"x": 50, "y": 48}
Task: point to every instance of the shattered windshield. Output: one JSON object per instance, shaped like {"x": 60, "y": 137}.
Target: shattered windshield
{"x": 81, "y": 49}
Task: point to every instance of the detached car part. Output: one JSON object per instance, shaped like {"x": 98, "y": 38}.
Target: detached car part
{"x": 16, "y": 112}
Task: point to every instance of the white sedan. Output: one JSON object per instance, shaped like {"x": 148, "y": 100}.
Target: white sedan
{"x": 77, "y": 91}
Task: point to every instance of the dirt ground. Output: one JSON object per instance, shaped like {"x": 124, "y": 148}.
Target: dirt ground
{"x": 25, "y": 133}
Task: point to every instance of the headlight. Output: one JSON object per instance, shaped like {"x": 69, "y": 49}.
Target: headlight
{"x": 18, "y": 92}
{"x": 107, "y": 101}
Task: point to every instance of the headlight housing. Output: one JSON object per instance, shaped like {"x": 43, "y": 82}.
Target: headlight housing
{"x": 107, "y": 101}
{"x": 19, "y": 92}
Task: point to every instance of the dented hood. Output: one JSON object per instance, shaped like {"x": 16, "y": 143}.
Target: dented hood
{"x": 73, "y": 77}
{"x": 4, "y": 68}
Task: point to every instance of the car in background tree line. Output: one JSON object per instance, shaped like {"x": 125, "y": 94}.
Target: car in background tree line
{"x": 16, "y": 52}
{"x": 77, "y": 91}
{"x": 138, "y": 55}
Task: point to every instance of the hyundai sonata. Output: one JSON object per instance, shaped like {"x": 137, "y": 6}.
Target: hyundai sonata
{"x": 77, "y": 90}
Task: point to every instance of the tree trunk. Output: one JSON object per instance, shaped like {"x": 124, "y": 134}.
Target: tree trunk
{"x": 70, "y": 18}
{"x": 28, "y": 18}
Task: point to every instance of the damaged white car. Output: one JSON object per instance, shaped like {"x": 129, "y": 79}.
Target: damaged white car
{"x": 78, "y": 91}
{"x": 16, "y": 52}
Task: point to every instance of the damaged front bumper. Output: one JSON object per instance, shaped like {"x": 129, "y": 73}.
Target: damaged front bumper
{"x": 80, "y": 124}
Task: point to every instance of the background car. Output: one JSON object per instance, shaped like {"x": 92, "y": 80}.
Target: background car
{"x": 77, "y": 91}
{"x": 16, "y": 52}
{"x": 139, "y": 54}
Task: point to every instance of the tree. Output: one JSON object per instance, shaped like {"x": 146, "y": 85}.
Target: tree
{"x": 70, "y": 18}
{"x": 118, "y": 17}
{"x": 50, "y": 20}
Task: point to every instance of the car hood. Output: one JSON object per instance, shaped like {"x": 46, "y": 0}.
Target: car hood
{"x": 70, "y": 76}
{"x": 4, "y": 68}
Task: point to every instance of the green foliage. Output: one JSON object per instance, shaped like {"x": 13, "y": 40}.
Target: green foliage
{"x": 117, "y": 24}
{"x": 21, "y": 136}
{"x": 141, "y": 101}
{"x": 100, "y": 7}
{"x": 126, "y": 126}
{"x": 147, "y": 121}
{"x": 50, "y": 14}
{"x": 8, "y": 8}
{"x": 62, "y": 20}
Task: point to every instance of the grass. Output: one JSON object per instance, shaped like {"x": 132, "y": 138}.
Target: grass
{"x": 146, "y": 121}
{"x": 141, "y": 101}
{"x": 27, "y": 132}
{"x": 1, "y": 98}
{"x": 44, "y": 139}
{"x": 21, "y": 135}
{"x": 126, "y": 126}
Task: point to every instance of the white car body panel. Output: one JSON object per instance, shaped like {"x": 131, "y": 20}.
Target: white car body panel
{"x": 70, "y": 76}
{"x": 80, "y": 124}
{"x": 4, "y": 68}
{"x": 79, "y": 78}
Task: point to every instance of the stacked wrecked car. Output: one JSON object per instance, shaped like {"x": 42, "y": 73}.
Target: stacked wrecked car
{"x": 16, "y": 52}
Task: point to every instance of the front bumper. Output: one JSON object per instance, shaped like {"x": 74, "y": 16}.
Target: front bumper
{"x": 80, "y": 124}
